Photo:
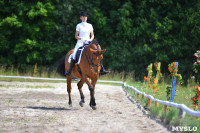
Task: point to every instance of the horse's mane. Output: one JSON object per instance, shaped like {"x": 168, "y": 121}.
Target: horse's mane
{"x": 95, "y": 42}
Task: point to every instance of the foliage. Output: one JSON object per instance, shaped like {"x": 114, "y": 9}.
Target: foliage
{"x": 173, "y": 68}
{"x": 195, "y": 99}
{"x": 152, "y": 80}
{"x": 135, "y": 33}
{"x": 35, "y": 71}
{"x": 196, "y": 66}
{"x": 28, "y": 33}
{"x": 168, "y": 92}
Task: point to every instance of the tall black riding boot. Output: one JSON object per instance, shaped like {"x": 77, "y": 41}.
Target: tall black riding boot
{"x": 70, "y": 68}
{"x": 103, "y": 71}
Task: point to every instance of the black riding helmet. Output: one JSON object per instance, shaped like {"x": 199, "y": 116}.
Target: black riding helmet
{"x": 83, "y": 14}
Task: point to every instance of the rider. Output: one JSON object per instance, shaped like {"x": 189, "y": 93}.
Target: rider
{"x": 82, "y": 34}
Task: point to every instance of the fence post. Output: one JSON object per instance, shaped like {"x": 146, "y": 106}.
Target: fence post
{"x": 138, "y": 95}
{"x": 173, "y": 86}
{"x": 156, "y": 104}
{"x": 181, "y": 113}
{"x": 149, "y": 101}
{"x": 142, "y": 96}
{"x": 165, "y": 108}
{"x": 158, "y": 72}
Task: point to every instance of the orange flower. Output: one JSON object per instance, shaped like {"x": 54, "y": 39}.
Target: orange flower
{"x": 154, "y": 85}
{"x": 174, "y": 63}
{"x": 195, "y": 105}
{"x": 194, "y": 99}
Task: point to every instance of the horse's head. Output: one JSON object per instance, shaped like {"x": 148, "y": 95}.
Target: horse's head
{"x": 95, "y": 51}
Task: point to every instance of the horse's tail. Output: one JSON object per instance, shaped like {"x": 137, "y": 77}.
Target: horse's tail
{"x": 61, "y": 67}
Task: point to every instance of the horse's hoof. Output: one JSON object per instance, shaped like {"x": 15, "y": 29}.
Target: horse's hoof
{"x": 93, "y": 107}
{"x": 81, "y": 103}
{"x": 70, "y": 106}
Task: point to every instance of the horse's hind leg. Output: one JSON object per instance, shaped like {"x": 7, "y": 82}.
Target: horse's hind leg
{"x": 69, "y": 88}
{"x": 80, "y": 85}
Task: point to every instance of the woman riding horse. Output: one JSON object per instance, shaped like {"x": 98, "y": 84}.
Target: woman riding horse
{"x": 88, "y": 69}
{"x": 82, "y": 34}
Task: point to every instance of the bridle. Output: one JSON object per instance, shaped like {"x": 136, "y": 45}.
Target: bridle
{"x": 90, "y": 59}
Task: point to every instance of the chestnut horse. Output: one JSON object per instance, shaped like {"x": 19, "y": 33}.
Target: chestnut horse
{"x": 88, "y": 69}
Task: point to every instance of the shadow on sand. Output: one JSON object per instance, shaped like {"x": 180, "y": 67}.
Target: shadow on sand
{"x": 51, "y": 108}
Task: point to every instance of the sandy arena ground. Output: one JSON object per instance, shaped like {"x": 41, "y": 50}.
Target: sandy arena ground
{"x": 43, "y": 107}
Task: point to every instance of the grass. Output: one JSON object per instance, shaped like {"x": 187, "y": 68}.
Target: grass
{"x": 183, "y": 95}
{"x": 52, "y": 118}
{"x": 8, "y": 120}
{"x": 46, "y": 73}
{"x": 43, "y": 72}
{"x": 10, "y": 101}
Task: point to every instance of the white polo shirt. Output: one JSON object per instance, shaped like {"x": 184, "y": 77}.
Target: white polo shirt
{"x": 84, "y": 30}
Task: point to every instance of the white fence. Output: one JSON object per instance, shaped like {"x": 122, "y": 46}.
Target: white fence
{"x": 55, "y": 79}
{"x": 183, "y": 108}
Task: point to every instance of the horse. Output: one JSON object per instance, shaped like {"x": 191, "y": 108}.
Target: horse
{"x": 88, "y": 69}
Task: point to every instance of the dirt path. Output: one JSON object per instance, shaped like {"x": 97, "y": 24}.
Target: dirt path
{"x": 43, "y": 107}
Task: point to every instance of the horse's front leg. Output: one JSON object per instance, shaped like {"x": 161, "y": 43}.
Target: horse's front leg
{"x": 92, "y": 100}
{"x": 80, "y": 85}
{"x": 92, "y": 91}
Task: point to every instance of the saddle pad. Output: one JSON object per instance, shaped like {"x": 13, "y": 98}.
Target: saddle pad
{"x": 78, "y": 56}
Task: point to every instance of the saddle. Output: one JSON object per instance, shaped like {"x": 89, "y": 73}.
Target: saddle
{"x": 78, "y": 54}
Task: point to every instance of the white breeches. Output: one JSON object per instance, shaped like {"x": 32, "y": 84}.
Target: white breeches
{"x": 78, "y": 44}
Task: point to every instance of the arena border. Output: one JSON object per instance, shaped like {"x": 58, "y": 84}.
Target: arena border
{"x": 183, "y": 109}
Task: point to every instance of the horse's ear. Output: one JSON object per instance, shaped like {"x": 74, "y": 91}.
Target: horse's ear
{"x": 92, "y": 50}
{"x": 102, "y": 51}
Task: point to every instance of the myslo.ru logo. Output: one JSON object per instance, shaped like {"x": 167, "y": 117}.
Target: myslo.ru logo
{"x": 180, "y": 128}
